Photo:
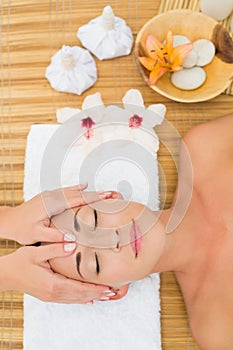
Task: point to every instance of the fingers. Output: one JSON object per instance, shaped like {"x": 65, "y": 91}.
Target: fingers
{"x": 80, "y": 187}
{"x": 40, "y": 281}
{"x": 91, "y": 197}
{"x": 60, "y": 289}
{"x": 116, "y": 195}
{"x": 59, "y": 200}
{"x": 55, "y": 250}
{"x": 53, "y": 235}
{"x": 69, "y": 291}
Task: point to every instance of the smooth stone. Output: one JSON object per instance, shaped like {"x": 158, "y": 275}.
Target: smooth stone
{"x": 180, "y": 40}
{"x": 188, "y": 79}
{"x": 205, "y": 50}
{"x": 191, "y": 60}
{"x": 218, "y": 9}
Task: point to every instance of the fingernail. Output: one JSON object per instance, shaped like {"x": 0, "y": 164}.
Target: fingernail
{"x": 68, "y": 247}
{"x": 104, "y": 298}
{"x": 103, "y": 194}
{"x": 110, "y": 294}
{"x": 69, "y": 237}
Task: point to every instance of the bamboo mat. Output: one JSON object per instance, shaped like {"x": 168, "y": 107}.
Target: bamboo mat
{"x": 31, "y": 31}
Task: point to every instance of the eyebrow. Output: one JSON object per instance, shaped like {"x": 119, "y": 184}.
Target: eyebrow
{"x": 76, "y": 224}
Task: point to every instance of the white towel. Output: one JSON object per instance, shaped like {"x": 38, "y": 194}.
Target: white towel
{"x": 130, "y": 323}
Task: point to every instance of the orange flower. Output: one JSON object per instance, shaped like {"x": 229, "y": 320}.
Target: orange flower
{"x": 163, "y": 57}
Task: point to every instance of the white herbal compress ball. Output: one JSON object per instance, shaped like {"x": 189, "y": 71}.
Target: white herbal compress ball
{"x": 72, "y": 69}
{"x": 106, "y": 36}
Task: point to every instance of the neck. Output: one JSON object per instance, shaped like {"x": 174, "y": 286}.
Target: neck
{"x": 181, "y": 245}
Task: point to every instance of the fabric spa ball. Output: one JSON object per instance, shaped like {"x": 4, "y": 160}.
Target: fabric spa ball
{"x": 106, "y": 36}
{"x": 72, "y": 69}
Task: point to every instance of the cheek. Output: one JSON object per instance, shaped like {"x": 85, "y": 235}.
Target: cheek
{"x": 64, "y": 266}
{"x": 118, "y": 267}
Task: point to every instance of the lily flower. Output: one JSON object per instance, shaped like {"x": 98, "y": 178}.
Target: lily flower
{"x": 163, "y": 57}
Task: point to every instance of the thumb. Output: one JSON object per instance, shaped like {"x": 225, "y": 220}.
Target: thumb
{"x": 56, "y": 250}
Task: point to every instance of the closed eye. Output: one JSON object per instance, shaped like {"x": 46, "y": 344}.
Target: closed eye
{"x": 118, "y": 239}
{"x": 96, "y": 220}
{"x": 97, "y": 264}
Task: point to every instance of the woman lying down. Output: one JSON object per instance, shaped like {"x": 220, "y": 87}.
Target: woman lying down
{"x": 120, "y": 242}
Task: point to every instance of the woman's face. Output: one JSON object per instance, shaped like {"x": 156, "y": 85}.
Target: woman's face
{"x": 117, "y": 242}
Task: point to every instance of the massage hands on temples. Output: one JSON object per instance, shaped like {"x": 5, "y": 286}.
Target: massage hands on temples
{"x": 30, "y": 223}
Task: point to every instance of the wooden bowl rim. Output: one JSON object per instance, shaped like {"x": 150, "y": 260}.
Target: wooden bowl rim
{"x": 142, "y": 70}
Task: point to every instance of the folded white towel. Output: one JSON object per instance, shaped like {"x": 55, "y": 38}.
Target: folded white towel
{"x": 132, "y": 323}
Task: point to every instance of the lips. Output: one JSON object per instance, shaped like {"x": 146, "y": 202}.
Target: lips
{"x": 135, "y": 238}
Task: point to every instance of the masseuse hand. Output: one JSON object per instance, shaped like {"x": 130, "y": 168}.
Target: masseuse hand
{"x": 27, "y": 269}
{"x": 29, "y": 222}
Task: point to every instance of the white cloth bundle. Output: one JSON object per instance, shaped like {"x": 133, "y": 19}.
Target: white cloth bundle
{"x": 133, "y": 323}
{"x": 106, "y": 36}
{"x": 72, "y": 69}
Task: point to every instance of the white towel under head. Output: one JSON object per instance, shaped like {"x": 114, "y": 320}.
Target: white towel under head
{"x": 132, "y": 323}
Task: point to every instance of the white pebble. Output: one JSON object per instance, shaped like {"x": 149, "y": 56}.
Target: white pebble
{"x": 180, "y": 40}
{"x": 189, "y": 79}
{"x": 205, "y": 50}
{"x": 190, "y": 60}
{"x": 218, "y": 9}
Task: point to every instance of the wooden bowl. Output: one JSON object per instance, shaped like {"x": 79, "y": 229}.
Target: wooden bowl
{"x": 195, "y": 26}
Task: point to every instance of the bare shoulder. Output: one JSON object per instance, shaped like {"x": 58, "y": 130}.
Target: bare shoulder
{"x": 215, "y": 135}
{"x": 210, "y": 145}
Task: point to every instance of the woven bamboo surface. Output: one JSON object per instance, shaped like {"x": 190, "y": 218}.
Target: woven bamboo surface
{"x": 31, "y": 31}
